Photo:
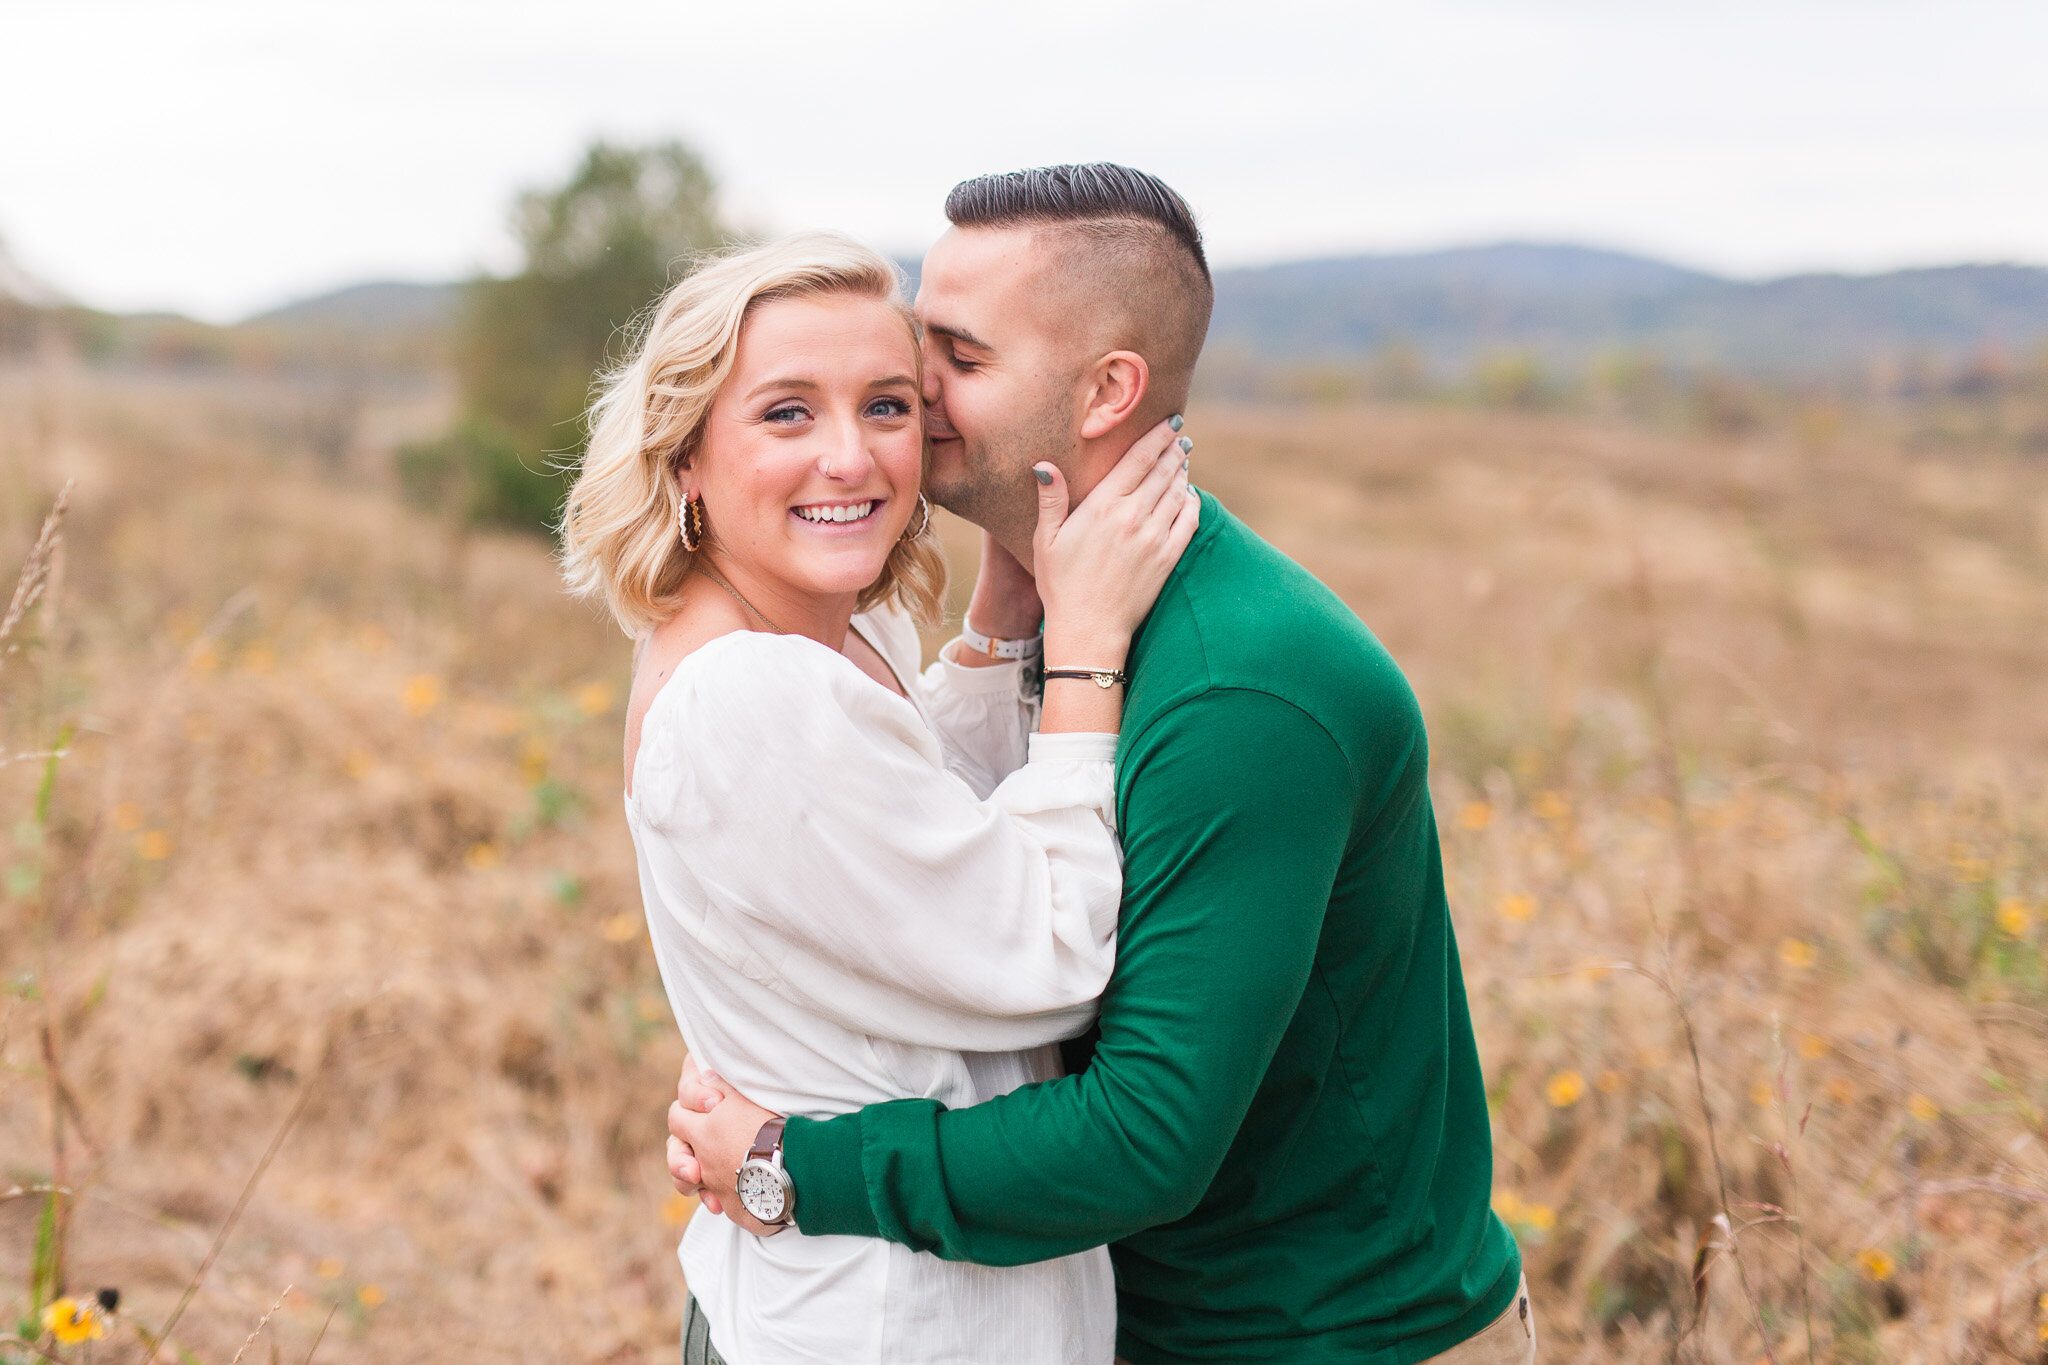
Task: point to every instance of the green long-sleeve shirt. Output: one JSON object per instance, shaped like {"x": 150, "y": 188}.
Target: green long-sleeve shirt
{"x": 1282, "y": 1129}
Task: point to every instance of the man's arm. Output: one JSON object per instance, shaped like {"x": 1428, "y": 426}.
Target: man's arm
{"x": 1237, "y": 815}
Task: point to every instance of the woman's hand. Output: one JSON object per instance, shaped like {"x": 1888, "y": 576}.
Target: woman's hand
{"x": 1100, "y": 566}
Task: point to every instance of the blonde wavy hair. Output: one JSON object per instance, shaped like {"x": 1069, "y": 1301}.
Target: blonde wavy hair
{"x": 620, "y": 537}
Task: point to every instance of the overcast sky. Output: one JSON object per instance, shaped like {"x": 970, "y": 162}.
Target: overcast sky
{"x": 220, "y": 156}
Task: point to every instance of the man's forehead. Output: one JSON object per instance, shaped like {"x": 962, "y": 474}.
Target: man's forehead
{"x": 974, "y": 277}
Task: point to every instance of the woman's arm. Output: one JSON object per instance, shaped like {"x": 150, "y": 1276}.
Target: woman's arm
{"x": 844, "y": 868}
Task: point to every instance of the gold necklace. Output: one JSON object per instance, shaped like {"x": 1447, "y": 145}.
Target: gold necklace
{"x": 719, "y": 579}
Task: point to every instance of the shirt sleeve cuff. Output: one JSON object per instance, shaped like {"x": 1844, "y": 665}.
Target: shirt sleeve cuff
{"x": 823, "y": 1159}
{"x": 1002, "y": 677}
{"x": 1073, "y": 747}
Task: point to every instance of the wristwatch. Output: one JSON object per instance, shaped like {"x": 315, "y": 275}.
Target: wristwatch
{"x": 765, "y": 1189}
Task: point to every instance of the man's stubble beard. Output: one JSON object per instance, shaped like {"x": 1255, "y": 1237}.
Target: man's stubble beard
{"x": 995, "y": 489}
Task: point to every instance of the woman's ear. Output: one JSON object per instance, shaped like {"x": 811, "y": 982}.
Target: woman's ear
{"x": 1119, "y": 383}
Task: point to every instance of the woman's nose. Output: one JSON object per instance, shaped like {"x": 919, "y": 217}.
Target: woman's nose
{"x": 848, "y": 460}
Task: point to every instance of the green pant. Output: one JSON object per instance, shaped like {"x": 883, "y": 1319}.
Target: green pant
{"x": 697, "y": 1347}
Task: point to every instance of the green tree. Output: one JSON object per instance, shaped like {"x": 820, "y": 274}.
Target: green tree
{"x": 598, "y": 250}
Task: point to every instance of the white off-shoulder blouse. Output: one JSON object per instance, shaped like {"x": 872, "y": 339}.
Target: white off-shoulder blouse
{"x": 855, "y": 897}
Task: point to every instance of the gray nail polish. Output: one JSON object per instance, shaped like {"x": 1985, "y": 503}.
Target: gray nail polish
{"x": 1183, "y": 466}
{"x": 1044, "y": 476}
{"x": 1187, "y": 443}
{"x": 1175, "y": 422}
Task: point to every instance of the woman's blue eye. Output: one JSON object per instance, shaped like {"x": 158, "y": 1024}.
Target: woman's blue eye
{"x": 788, "y": 412}
{"x": 889, "y": 407}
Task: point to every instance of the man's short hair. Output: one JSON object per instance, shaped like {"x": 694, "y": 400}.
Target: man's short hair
{"x": 1130, "y": 235}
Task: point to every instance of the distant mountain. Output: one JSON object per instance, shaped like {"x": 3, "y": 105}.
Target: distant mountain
{"x": 377, "y": 306}
{"x": 1565, "y": 305}
{"x": 1568, "y": 304}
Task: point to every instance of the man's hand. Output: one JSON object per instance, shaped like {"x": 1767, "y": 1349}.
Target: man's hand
{"x": 710, "y": 1129}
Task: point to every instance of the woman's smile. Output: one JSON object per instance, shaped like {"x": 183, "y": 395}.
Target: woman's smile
{"x": 838, "y": 518}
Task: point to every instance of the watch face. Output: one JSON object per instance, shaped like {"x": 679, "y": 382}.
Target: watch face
{"x": 761, "y": 1192}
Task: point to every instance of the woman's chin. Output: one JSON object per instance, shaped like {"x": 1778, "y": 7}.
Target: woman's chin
{"x": 849, "y": 571}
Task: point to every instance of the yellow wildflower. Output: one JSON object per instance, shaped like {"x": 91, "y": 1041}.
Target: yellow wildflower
{"x": 1608, "y": 1081}
{"x": 594, "y": 698}
{"x": 369, "y": 1296}
{"x": 1923, "y": 1109}
{"x": 1518, "y": 906}
{"x": 533, "y": 760}
{"x": 1841, "y": 1090}
{"x": 677, "y": 1208}
{"x": 1476, "y": 815}
{"x": 623, "y": 927}
{"x": 72, "y": 1321}
{"x": 1760, "y": 1093}
{"x": 329, "y": 1269}
{"x": 2013, "y": 918}
{"x": 1875, "y": 1264}
{"x": 1812, "y": 1046}
{"x": 1513, "y": 1209}
{"x": 482, "y": 857}
{"x": 205, "y": 660}
{"x": 423, "y": 692}
{"x": 1797, "y": 953}
{"x": 128, "y": 817}
{"x": 1552, "y": 805}
{"x": 153, "y": 845}
{"x": 1564, "y": 1089}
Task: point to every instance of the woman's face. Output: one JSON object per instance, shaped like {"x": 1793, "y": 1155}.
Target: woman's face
{"x": 812, "y": 453}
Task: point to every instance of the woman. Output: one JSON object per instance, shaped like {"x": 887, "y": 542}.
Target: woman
{"x": 858, "y": 887}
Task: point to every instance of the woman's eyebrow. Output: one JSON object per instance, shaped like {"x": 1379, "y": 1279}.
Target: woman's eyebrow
{"x": 893, "y": 379}
{"x": 783, "y": 382}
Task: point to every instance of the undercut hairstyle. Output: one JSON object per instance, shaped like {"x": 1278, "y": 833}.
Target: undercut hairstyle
{"x": 1125, "y": 237}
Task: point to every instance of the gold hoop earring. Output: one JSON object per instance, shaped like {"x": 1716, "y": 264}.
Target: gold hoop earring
{"x": 687, "y": 511}
{"x": 923, "y": 505}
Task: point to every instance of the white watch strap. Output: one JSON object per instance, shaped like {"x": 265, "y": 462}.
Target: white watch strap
{"x": 1029, "y": 647}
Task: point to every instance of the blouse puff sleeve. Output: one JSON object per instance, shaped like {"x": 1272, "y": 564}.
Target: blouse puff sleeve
{"x": 842, "y": 866}
{"x": 983, "y": 715}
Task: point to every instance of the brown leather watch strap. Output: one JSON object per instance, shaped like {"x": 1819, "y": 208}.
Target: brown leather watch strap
{"x": 767, "y": 1140}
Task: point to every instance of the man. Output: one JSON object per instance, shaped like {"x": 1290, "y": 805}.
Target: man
{"x": 1282, "y": 1129}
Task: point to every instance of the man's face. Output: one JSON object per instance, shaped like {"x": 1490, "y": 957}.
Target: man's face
{"x": 1000, "y": 374}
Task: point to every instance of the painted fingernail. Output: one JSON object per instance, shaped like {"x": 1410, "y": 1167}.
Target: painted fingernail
{"x": 1042, "y": 474}
{"x": 1187, "y": 443}
{"x": 1183, "y": 466}
{"x": 1175, "y": 422}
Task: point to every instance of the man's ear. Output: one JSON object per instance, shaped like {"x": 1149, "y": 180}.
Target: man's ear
{"x": 1120, "y": 380}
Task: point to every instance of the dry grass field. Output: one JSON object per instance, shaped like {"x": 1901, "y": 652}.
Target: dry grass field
{"x": 1741, "y": 757}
